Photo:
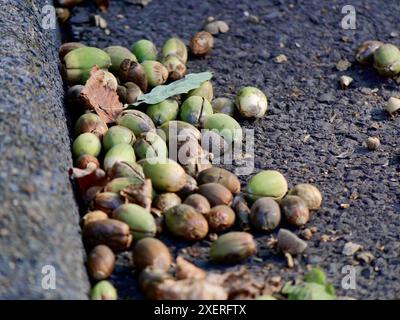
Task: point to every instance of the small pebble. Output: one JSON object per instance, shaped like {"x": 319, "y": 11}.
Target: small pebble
{"x": 373, "y": 143}
{"x": 343, "y": 65}
{"x": 280, "y": 58}
{"x": 345, "y": 82}
{"x": 306, "y": 234}
{"x": 351, "y": 248}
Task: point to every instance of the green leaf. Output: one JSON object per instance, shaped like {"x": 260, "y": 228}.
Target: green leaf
{"x": 162, "y": 92}
{"x": 316, "y": 275}
{"x": 307, "y": 291}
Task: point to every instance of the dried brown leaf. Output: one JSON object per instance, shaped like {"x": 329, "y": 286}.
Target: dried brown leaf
{"x": 86, "y": 178}
{"x": 238, "y": 284}
{"x": 190, "y": 289}
{"x": 187, "y": 270}
{"x": 101, "y": 98}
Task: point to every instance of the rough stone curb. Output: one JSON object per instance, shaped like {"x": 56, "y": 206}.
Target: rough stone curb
{"x": 39, "y": 219}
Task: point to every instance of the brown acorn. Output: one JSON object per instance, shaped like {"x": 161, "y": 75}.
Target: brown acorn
{"x": 94, "y": 216}
{"x": 185, "y": 222}
{"x": 151, "y": 252}
{"x": 101, "y": 261}
{"x": 188, "y": 188}
{"x": 221, "y": 176}
{"x": 295, "y": 210}
{"x": 107, "y": 201}
{"x": 201, "y": 43}
{"x": 198, "y": 202}
{"x": 265, "y": 214}
{"x": 112, "y": 233}
{"x": 132, "y": 71}
{"x": 242, "y": 211}
{"x": 220, "y": 218}
{"x": 167, "y": 200}
{"x": 216, "y": 194}
{"x": 85, "y": 159}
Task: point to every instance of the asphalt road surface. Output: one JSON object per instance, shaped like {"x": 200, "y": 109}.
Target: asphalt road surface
{"x": 314, "y": 131}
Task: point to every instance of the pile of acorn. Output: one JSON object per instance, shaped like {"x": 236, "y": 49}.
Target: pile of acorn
{"x": 135, "y": 192}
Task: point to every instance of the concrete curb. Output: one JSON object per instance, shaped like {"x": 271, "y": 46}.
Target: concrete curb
{"x": 39, "y": 219}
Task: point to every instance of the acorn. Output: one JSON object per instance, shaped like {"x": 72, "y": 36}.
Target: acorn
{"x": 201, "y": 43}
{"x": 242, "y": 211}
{"x": 133, "y": 92}
{"x": 309, "y": 193}
{"x": 365, "y": 52}
{"x": 233, "y": 247}
{"x": 116, "y": 135}
{"x": 268, "y": 183}
{"x": 251, "y": 102}
{"x": 135, "y": 120}
{"x": 165, "y": 201}
{"x": 101, "y": 261}
{"x": 132, "y": 71}
{"x": 176, "y": 68}
{"x": 151, "y": 252}
{"x": 144, "y": 50}
{"x": 198, "y": 202}
{"x": 387, "y": 60}
{"x": 221, "y": 176}
{"x": 103, "y": 290}
{"x": 288, "y": 242}
{"x": 220, "y": 218}
{"x": 94, "y": 216}
{"x": 149, "y": 145}
{"x": 176, "y": 130}
{"x": 223, "y": 105}
{"x": 112, "y": 233}
{"x": 205, "y": 90}
{"x": 166, "y": 175}
{"x": 68, "y": 47}
{"x": 216, "y": 194}
{"x": 126, "y": 169}
{"x": 140, "y": 221}
{"x": 265, "y": 214}
{"x": 117, "y": 55}
{"x": 295, "y": 210}
{"x": 107, "y": 201}
{"x": 175, "y": 47}
{"x": 156, "y": 73}
{"x": 188, "y": 188}
{"x": 185, "y": 222}
{"x": 195, "y": 110}
{"x": 83, "y": 161}
{"x": 117, "y": 153}
{"x": 86, "y": 143}
{"x": 78, "y": 63}
{"x": 163, "y": 111}
{"x": 116, "y": 185}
